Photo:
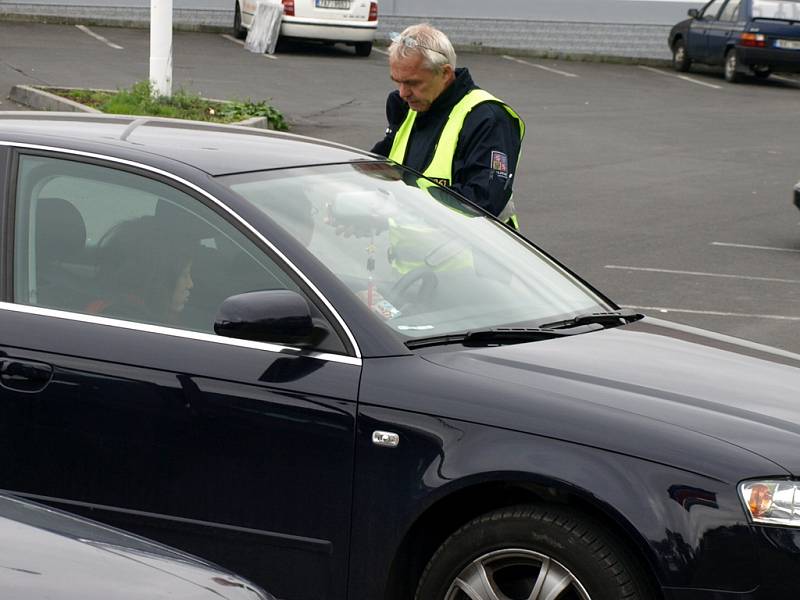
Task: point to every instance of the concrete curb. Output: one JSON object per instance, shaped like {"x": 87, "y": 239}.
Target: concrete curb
{"x": 38, "y": 99}
{"x": 30, "y": 96}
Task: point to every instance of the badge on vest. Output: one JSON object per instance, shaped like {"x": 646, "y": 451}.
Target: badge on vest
{"x": 500, "y": 163}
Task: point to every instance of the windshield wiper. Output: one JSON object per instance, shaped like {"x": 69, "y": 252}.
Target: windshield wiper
{"x": 497, "y": 336}
{"x": 606, "y": 319}
{"x": 500, "y": 336}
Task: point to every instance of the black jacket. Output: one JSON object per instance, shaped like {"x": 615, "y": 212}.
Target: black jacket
{"x": 488, "y": 146}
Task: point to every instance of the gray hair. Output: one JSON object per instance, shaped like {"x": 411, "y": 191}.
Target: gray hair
{"x": 426, "y": 40}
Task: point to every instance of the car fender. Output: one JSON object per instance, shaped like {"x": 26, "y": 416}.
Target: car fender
{"x": 458, "y": 470}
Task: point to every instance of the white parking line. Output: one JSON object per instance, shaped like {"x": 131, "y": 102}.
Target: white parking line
{"x": 749, "y": 247}
{"x": 683, "y": 77}
{"x": 241, "y": 43}
{"x": 663, "y": 309}
{"x": 702, "y": 274}
{"x": 789, "y": 79}
{"x": 381, "y": 51}
{"x": 542, "y": 67}
{"x": 88, "y": 31}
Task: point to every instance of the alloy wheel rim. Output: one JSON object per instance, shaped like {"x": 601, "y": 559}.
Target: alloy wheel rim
{"x": 730, "y": 64}
{"x": 679, "y": 55}
{"x": 516, "y": 574}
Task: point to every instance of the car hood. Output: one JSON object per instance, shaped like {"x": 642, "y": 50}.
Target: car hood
{"x": 654, "y": 371}
{"x": 47, "y": 553}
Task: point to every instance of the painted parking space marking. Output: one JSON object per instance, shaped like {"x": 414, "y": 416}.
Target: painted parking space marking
{"x": 538, "y": 66}
{"x": 787, "y": 79}
{"x": 701, "y": 274}
{"x": 227, "y": 36}
{"x": 683, "y": 77}
{"x": 96, "y": 36}
{"x": 751, "y": 247}
{"x": 716, "y": 313}
{"x": 384, "y": 52}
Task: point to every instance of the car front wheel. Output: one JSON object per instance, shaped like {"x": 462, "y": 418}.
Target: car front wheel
{"x": 531, "y": 553}
{"x": 680, "y": 58}
{"x": 732, "y": 66}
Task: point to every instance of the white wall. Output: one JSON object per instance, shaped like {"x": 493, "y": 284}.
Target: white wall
{"x": 664, "y": 12}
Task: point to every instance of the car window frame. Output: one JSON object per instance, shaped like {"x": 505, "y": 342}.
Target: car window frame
{"x": 737, "y": 12}
{"x": 706, "y": 17}
{"x": 6, "y": 223}
{"x": 14, "y": 150}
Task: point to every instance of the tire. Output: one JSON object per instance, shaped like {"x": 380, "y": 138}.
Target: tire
{"x": 732, "y": 74}
{"x": 363, "y": 48}
{"x": 239, "y": 32}
{"x": 530, "y": 552}
{"x": 762, "y": 72}
{"x": 680, "y": 57}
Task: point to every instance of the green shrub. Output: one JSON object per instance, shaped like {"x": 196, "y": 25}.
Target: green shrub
{"x": 139, "y": 100}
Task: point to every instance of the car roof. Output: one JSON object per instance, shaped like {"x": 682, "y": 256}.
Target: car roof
{"x": 213, "y": 148}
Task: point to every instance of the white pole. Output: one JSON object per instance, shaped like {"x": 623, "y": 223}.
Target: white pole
{"x": 161, "y": 47}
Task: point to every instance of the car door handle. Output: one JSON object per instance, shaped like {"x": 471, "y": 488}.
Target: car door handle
{"x": 24, "y": 375}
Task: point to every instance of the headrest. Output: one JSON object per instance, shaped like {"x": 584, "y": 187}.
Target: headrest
{"x": 60, "y": 230}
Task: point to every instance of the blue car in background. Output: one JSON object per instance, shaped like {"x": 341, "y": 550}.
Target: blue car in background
{"x": 746, "y": 36}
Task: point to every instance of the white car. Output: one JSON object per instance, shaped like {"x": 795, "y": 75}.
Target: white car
{"x": 352, "y": 22}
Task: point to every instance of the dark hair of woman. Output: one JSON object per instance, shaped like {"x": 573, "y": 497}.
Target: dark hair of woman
{"x": 144, "y": 272}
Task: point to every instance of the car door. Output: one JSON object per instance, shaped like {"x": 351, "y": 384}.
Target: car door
{"x": 699, "y": 30}
{"x": 723, "y": 31}
{"x": 238, "y": 451}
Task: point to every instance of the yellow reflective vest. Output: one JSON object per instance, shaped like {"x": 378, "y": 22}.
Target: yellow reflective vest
{"x": 440, "y": 168}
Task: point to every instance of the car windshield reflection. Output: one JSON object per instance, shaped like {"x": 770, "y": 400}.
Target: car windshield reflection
{"x": 425, "y": 261}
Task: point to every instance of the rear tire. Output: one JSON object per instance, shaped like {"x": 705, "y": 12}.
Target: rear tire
{"x": 239, "y": 32}
{"x": 732, "y": 74}
{"x": 363, "y": 48}
{"x": 532, "y": 552}
{"x": 680, "y": 58}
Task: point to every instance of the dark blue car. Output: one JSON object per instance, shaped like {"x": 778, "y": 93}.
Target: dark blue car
{"x": 326, "y": 373}
{"x": 746, "y": 36}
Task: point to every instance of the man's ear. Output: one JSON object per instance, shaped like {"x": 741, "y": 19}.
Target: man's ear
{"x": 449, "y": 72}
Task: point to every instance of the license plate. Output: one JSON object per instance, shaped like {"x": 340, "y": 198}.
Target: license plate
{"x": 788, "y": 44}
{"x": 340, "y": 4}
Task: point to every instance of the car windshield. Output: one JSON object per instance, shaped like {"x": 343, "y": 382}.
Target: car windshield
{"x": 425, "y": 261}
{"x": 777, "y": 9}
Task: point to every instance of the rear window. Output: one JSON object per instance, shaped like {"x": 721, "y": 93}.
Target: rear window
{"x": 777, "y": 9}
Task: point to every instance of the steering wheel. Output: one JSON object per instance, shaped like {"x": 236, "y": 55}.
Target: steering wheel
{"x": 403, "y": 294}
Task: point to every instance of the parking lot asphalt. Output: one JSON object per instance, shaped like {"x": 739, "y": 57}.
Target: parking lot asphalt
{"x": 669, "y": 192}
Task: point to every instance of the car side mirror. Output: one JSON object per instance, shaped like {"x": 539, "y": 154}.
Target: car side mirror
{"x": 272, "y": 316}
{"x": 694, "y": 13}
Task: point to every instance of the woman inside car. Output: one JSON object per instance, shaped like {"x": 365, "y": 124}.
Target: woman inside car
{"x": 144, "y": 273}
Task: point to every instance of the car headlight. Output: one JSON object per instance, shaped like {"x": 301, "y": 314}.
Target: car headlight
{"x": 772, "y": 501}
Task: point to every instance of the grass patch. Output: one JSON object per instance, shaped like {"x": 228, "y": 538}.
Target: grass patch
{"x": 139, "y": 100}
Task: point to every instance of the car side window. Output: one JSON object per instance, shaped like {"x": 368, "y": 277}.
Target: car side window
{"x": 711, "y": 10}
{"x": 104, "y": 241}
{"x": 731, "y": 11}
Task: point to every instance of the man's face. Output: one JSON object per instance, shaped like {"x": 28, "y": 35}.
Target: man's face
{"x": 418, "y": 85}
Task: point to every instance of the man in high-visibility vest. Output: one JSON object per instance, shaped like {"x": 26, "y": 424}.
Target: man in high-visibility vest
{"x": 447, "y": 128}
